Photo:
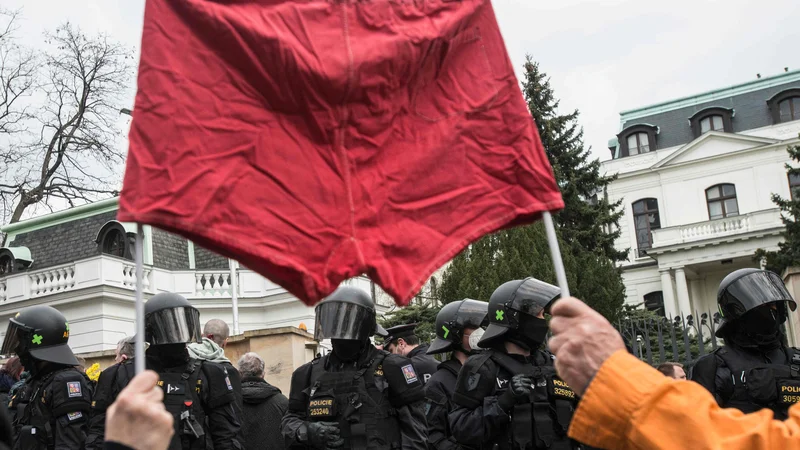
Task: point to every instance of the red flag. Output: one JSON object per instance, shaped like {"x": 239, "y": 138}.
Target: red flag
{"x": 317, "y": 140}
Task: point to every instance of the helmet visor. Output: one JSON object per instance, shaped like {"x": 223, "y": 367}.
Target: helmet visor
{"x": 15, "y": 335}
{"x": 472, "y": 314}
{"x": 342, "y": 320}
{"x": 534, "y": 297}
{"x": 752, "y": 291}
{"x": 173, "y": 326}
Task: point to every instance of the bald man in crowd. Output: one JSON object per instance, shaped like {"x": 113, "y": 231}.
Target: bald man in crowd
{"x": 215, "y": 337}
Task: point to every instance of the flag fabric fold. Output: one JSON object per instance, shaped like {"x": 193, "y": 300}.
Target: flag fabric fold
{"x": 317, "y": 140}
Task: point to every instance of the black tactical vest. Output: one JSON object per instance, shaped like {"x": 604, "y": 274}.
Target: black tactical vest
{"x": 33, "y": 423}
{"x": 758, "y": 385}
{"x": 182, "y": 400}
{"x": 359, "y": 400}
{"x": 543, "y": 422}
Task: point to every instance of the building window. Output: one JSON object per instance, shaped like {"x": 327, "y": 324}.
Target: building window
{"x": 722, "y": 201}
{"x": 712, "y": 119}
{"x": 711, "y": 123}
{"x": 637, "y": 139}
{"x": 794, "y": 186}
{"x": 785, "y": 106}
{"x": 114, "y": 243}
{"x": 6, "y": 264}
{"x": 114, "y": 240}
{"x": 645, "y": 220}
{"x": 638, "y": 143}
{"x": 789, "y": 109}
{"x": 654, "y": 302}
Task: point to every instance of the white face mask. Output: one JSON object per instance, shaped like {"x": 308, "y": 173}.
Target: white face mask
{"x": 474, "y": 338}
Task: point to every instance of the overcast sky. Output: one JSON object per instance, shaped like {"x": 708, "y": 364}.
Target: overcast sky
{"x": 604, "y": 56}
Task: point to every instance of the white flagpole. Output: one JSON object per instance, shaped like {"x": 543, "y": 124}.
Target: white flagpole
{"x": 139, "y": 259}
{"x": 234, "y": 295}
{"x": 555, "y": 253}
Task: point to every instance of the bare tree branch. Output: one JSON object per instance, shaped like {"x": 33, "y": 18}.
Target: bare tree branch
{"x": 67, "y": 148}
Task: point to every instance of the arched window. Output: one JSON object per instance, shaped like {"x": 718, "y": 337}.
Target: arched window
{"x": 645, "y": 220}
{"x": 711, "y": 123}
{"x": 114, "y": 243}
{"x": 794, "y": 186}
{"x": 654, "y": 302}
{"x": 785, "y": 105}
{"x": 14, "y": 259}
{"x": 637, "y": 139}
{"x": 722, "y": 201}
{"x": 789, "y": 109}
{"x": 714, "y": 118}
{"x": 6, "y": 264}
{"x": 638, "y": 143}
{"x": 113, "y": 239}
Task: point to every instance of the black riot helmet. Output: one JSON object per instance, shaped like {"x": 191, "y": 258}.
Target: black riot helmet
{"x": 512, "y": 301}
{"x": 453, "y": 319}
{"x": 40, "y": 332}
{"x": 170, "y": 319}
{"x": 348, "y": 313}
{"x": 745, "y": 290}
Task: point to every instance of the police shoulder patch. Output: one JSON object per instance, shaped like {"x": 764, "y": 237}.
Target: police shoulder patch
{"x": 409, "y": 373}
{"x": 74, "y": 389}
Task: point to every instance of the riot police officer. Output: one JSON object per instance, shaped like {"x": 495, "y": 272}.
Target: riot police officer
{"x": 458, "y": 330}
{"x": 509, "y": 396}
{"x": 197, "y": 393}
{"x": 755, "y": 369}
{"x": 356, "y": 397}
{"x": 51, "y": 410}
{"x": 402, "y": 340}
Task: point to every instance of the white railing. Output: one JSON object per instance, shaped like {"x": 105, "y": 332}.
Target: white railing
{"x": 764, "y": 220}
{"x": 714, "y": 228}
{"x": 213, "y": 284}
{"x": 129, "y": 276}
{"x": 51, "y": 281}
{"x": 109, "y": 271}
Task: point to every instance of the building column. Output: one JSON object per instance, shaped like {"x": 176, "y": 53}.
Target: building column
{"x": 668, "y": 293}
{"x": 684, "y": 307}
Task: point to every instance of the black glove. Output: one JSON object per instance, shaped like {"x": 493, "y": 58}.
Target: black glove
{"x": 519, "y": 390}
{"x": 324, "y": 435}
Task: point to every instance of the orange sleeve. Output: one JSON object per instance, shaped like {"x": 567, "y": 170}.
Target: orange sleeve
{"x": 630, "y": 405}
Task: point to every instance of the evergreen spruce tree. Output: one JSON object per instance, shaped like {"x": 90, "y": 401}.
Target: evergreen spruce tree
{"x": 587, "y": 227}
{"x": 588, "y": 218}
{"x": 788, "y": 253}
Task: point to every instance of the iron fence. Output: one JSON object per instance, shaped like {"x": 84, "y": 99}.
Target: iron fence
{"x": 656, "y": 339}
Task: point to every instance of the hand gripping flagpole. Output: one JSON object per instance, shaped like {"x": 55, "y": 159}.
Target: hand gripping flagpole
{"x": 555, "y": 253}
{"x": 139, "y": 259}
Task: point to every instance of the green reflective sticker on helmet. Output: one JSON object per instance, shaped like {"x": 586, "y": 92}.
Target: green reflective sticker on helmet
{"x": 446, "y": 331}
{"x": 66, "y": 324}
{"x": 498, "y": 315}
{"x": 37, "y": 339}
{"x": 721, "y": 314}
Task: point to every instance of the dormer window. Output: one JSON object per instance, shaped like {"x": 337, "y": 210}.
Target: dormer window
{"x": 785, "y": 106}
{"x": 711, "y": 123}
{"x": 14, "y": 259}
{"x": 115, "y": 240}
{"x": 712, "y": 119}
{"x": 637, "y": 139}
{"x": 789, "y": 109}
{"x": 638, "y": 143}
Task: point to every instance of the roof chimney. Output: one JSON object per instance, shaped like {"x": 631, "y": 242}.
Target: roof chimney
{"x": 758, "y": 75}
{"x": 785, "y": 69}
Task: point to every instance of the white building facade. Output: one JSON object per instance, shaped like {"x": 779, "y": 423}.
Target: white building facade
{"x": 696, "y": 176}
